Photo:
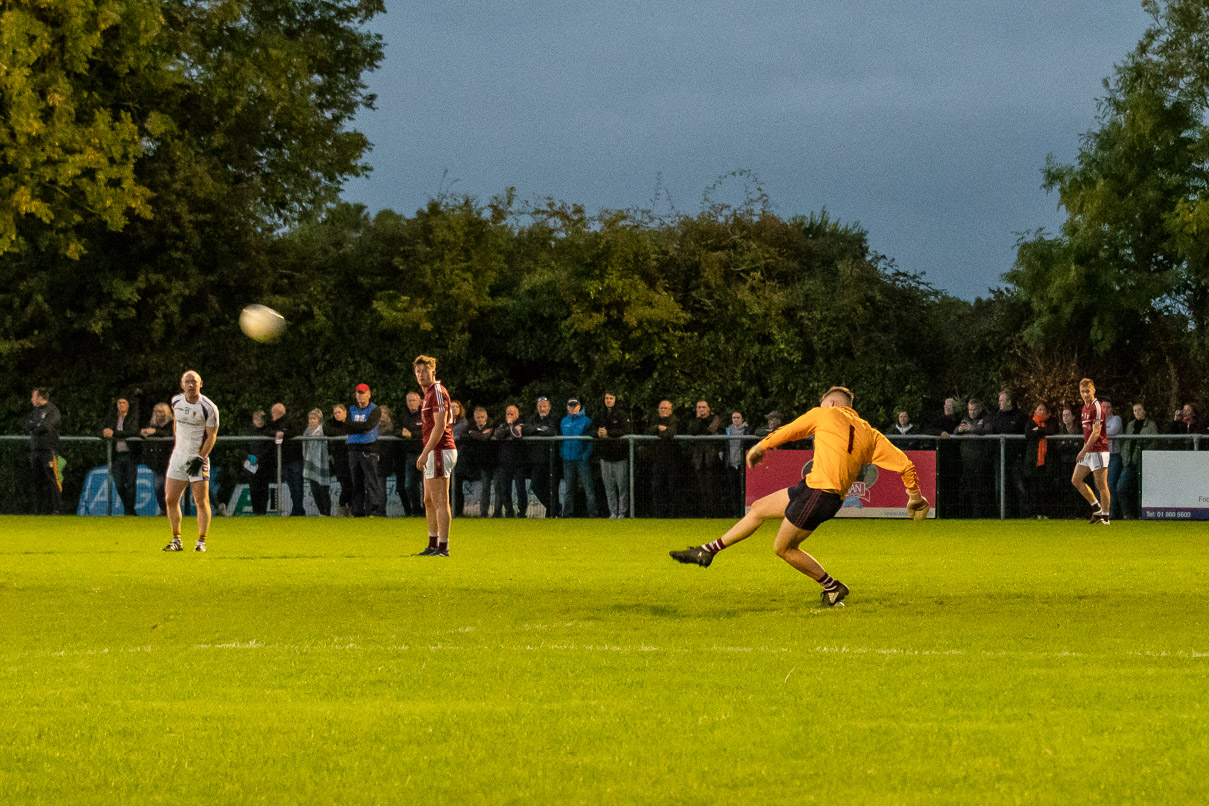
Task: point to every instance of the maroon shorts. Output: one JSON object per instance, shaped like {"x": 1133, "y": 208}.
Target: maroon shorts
{"x": 808, "y": 508}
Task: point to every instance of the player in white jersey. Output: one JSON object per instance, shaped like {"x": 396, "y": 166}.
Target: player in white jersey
{"x": 196, "y": 428}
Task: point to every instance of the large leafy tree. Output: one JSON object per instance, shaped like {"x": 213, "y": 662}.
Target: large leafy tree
{"x": 1127, "y": 278}
{"x": 150, "y": 150}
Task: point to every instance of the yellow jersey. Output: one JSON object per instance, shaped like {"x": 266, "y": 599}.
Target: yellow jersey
{"x": 843, "y": 443}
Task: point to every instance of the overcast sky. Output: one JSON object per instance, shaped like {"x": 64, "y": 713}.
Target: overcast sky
{"x": 926, "y": 122}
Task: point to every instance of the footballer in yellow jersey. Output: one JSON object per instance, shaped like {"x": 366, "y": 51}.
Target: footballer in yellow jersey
{"x": 843, "y": 443}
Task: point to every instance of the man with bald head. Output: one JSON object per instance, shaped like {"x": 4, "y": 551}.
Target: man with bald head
{"x": 196, "y": 428}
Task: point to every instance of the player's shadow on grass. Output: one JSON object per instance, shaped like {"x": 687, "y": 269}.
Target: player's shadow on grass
{"x": 688, "y": 610}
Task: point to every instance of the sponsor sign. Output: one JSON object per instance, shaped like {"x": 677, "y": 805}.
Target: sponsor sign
{"x": 876, "y": 493}
{"x": 97, "y": 500}
{"x": 1175, "y": 485}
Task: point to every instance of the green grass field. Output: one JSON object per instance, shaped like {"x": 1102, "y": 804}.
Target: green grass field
{"x": 314, "y": 661}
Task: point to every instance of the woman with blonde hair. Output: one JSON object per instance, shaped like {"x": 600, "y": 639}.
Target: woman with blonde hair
{"x": 316, "y": 463}
{"x": 158, "y": 448}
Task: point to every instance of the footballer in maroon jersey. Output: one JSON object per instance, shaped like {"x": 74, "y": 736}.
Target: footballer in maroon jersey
{"x": 438, "y": 457}
{"x": 1093, "y": 458}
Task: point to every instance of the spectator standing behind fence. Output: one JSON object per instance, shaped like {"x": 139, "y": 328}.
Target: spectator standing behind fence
{"x": 1112, "y": 428}
{"x": 664, "y": 462}
{"x": 1038, "y": 478}
{"x": 316, "y": 462}
{"x": 543, "y": 424}
{"x": 43, "y": 426}
{"x": 457, "y": 426}
{"x": 411, "y": 478}
{"x": 338, "y": 427}
{"x": 1070, "y": 424}
{"x": 285, "y": 433}
{"x": 1131, "y": 461}
{"x": 577, "y": 459}
{"x": 706, "y": 463}
{"x": 1186, "y": 420}
{"x": 260, "y": 464}
{"x": 121, "y": 426}
{"x": 388, "y": 455}
{"x": 734, "y": 467}
{"x": 510, "y": 466}
{"x": 772, "y": 421}
{"x": 362, "y": 442}
{"x": 976, "y": 466}
{"x": 157, "y": 449}
{"x": 948, "y": 460}
{"x": 614, "y": 452}
{"x": 480, "y": 457}
{"x": 1009, "y": 420}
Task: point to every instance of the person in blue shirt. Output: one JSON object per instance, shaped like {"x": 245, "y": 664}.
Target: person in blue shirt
{"x": 576, "y": 455}
{"x": 362, "y": 442}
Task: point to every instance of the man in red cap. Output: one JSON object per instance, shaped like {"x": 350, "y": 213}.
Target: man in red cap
{"x": 362, "y": 441}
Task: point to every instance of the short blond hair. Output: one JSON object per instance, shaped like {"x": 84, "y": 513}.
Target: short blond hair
{"x": 843, "y": 391}
{"x": 425, "y": 360}
{"x": 1087, "y": 383}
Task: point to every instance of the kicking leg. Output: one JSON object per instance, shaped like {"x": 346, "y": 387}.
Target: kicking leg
{"x": 770, "y": 506}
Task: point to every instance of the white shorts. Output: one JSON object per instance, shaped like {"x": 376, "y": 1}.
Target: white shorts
{"x": 439, "y": 464}
{"x": 176, "y": 468}
{"x": 1095, "y": 461}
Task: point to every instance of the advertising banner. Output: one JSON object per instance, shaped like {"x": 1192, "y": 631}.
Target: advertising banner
{"x": 876, "y": 493}
{"x": 1175, "y": 485}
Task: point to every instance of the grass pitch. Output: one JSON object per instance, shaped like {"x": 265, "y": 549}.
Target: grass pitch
{"x": 314, "y": 661}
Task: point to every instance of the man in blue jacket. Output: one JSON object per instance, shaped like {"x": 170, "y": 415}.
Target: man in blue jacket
{"x": 576, "y": 455}
{"x": 362, "y": 442}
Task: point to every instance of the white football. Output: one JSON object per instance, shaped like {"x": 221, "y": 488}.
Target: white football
{"x": 262, "y": 323}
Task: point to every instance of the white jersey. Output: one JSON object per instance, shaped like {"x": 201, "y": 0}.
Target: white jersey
{"x": 192, "y": 420}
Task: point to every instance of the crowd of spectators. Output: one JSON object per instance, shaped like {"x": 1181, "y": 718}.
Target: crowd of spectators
{"x": 505, "y": 462}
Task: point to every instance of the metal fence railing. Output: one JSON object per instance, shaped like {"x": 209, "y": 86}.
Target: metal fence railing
{"x": 635, "y": 476}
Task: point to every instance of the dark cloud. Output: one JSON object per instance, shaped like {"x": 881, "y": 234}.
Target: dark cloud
{"x": 929, "y": 122}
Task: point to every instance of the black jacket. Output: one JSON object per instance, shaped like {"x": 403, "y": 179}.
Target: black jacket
{"x": 129, "y": 431}
{"x": 43, "y": 426}
{"x": 665, "y": 449}
{"x": 414, "y": 423}
{"x": 511, "y": 450}
{"x": 541, "y": 427}
{"x": 612, "y": 448}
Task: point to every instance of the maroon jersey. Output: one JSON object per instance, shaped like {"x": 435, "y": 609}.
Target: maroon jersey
{"x": 1093, "y": 414}
{"x": 437, "y": 399}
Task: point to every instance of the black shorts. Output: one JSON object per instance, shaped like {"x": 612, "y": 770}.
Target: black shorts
{"x": 808, "y": 508}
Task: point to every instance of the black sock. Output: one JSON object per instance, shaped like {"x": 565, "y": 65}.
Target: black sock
{"x": 828, "y": 583}
{"x": 432, "y": 541}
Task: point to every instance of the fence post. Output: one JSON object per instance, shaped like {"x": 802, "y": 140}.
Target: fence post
{"x": 631, "y": 474}
{"x": 555, "y": 507}
{"x": 1002, "y": 477}
{"x": 280, "y": 508}
{"x": 108, "y": 476}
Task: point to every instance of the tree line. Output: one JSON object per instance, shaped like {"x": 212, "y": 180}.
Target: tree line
{"x": 167, "y": 162}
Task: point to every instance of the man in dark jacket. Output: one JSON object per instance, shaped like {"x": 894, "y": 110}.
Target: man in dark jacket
{"x": 707, "y": 464}
{"x": 480, "y": 454}
{"x": 285, "y": 433}
{"x": 411, "y": 423}
{"x": 43, "y": 427}
{"x": 121, "y": 426}
{"x": 1009, "y": 420}
{"x": 977, "y": 467}
{"x": 543, "y": 473}
{"x": 665, "y": 461}
{"x": 609, "y": 427}
{"x": 261, "y": 463}
{"x": 948, "y": 460}
{"x": 510, "y": 467}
